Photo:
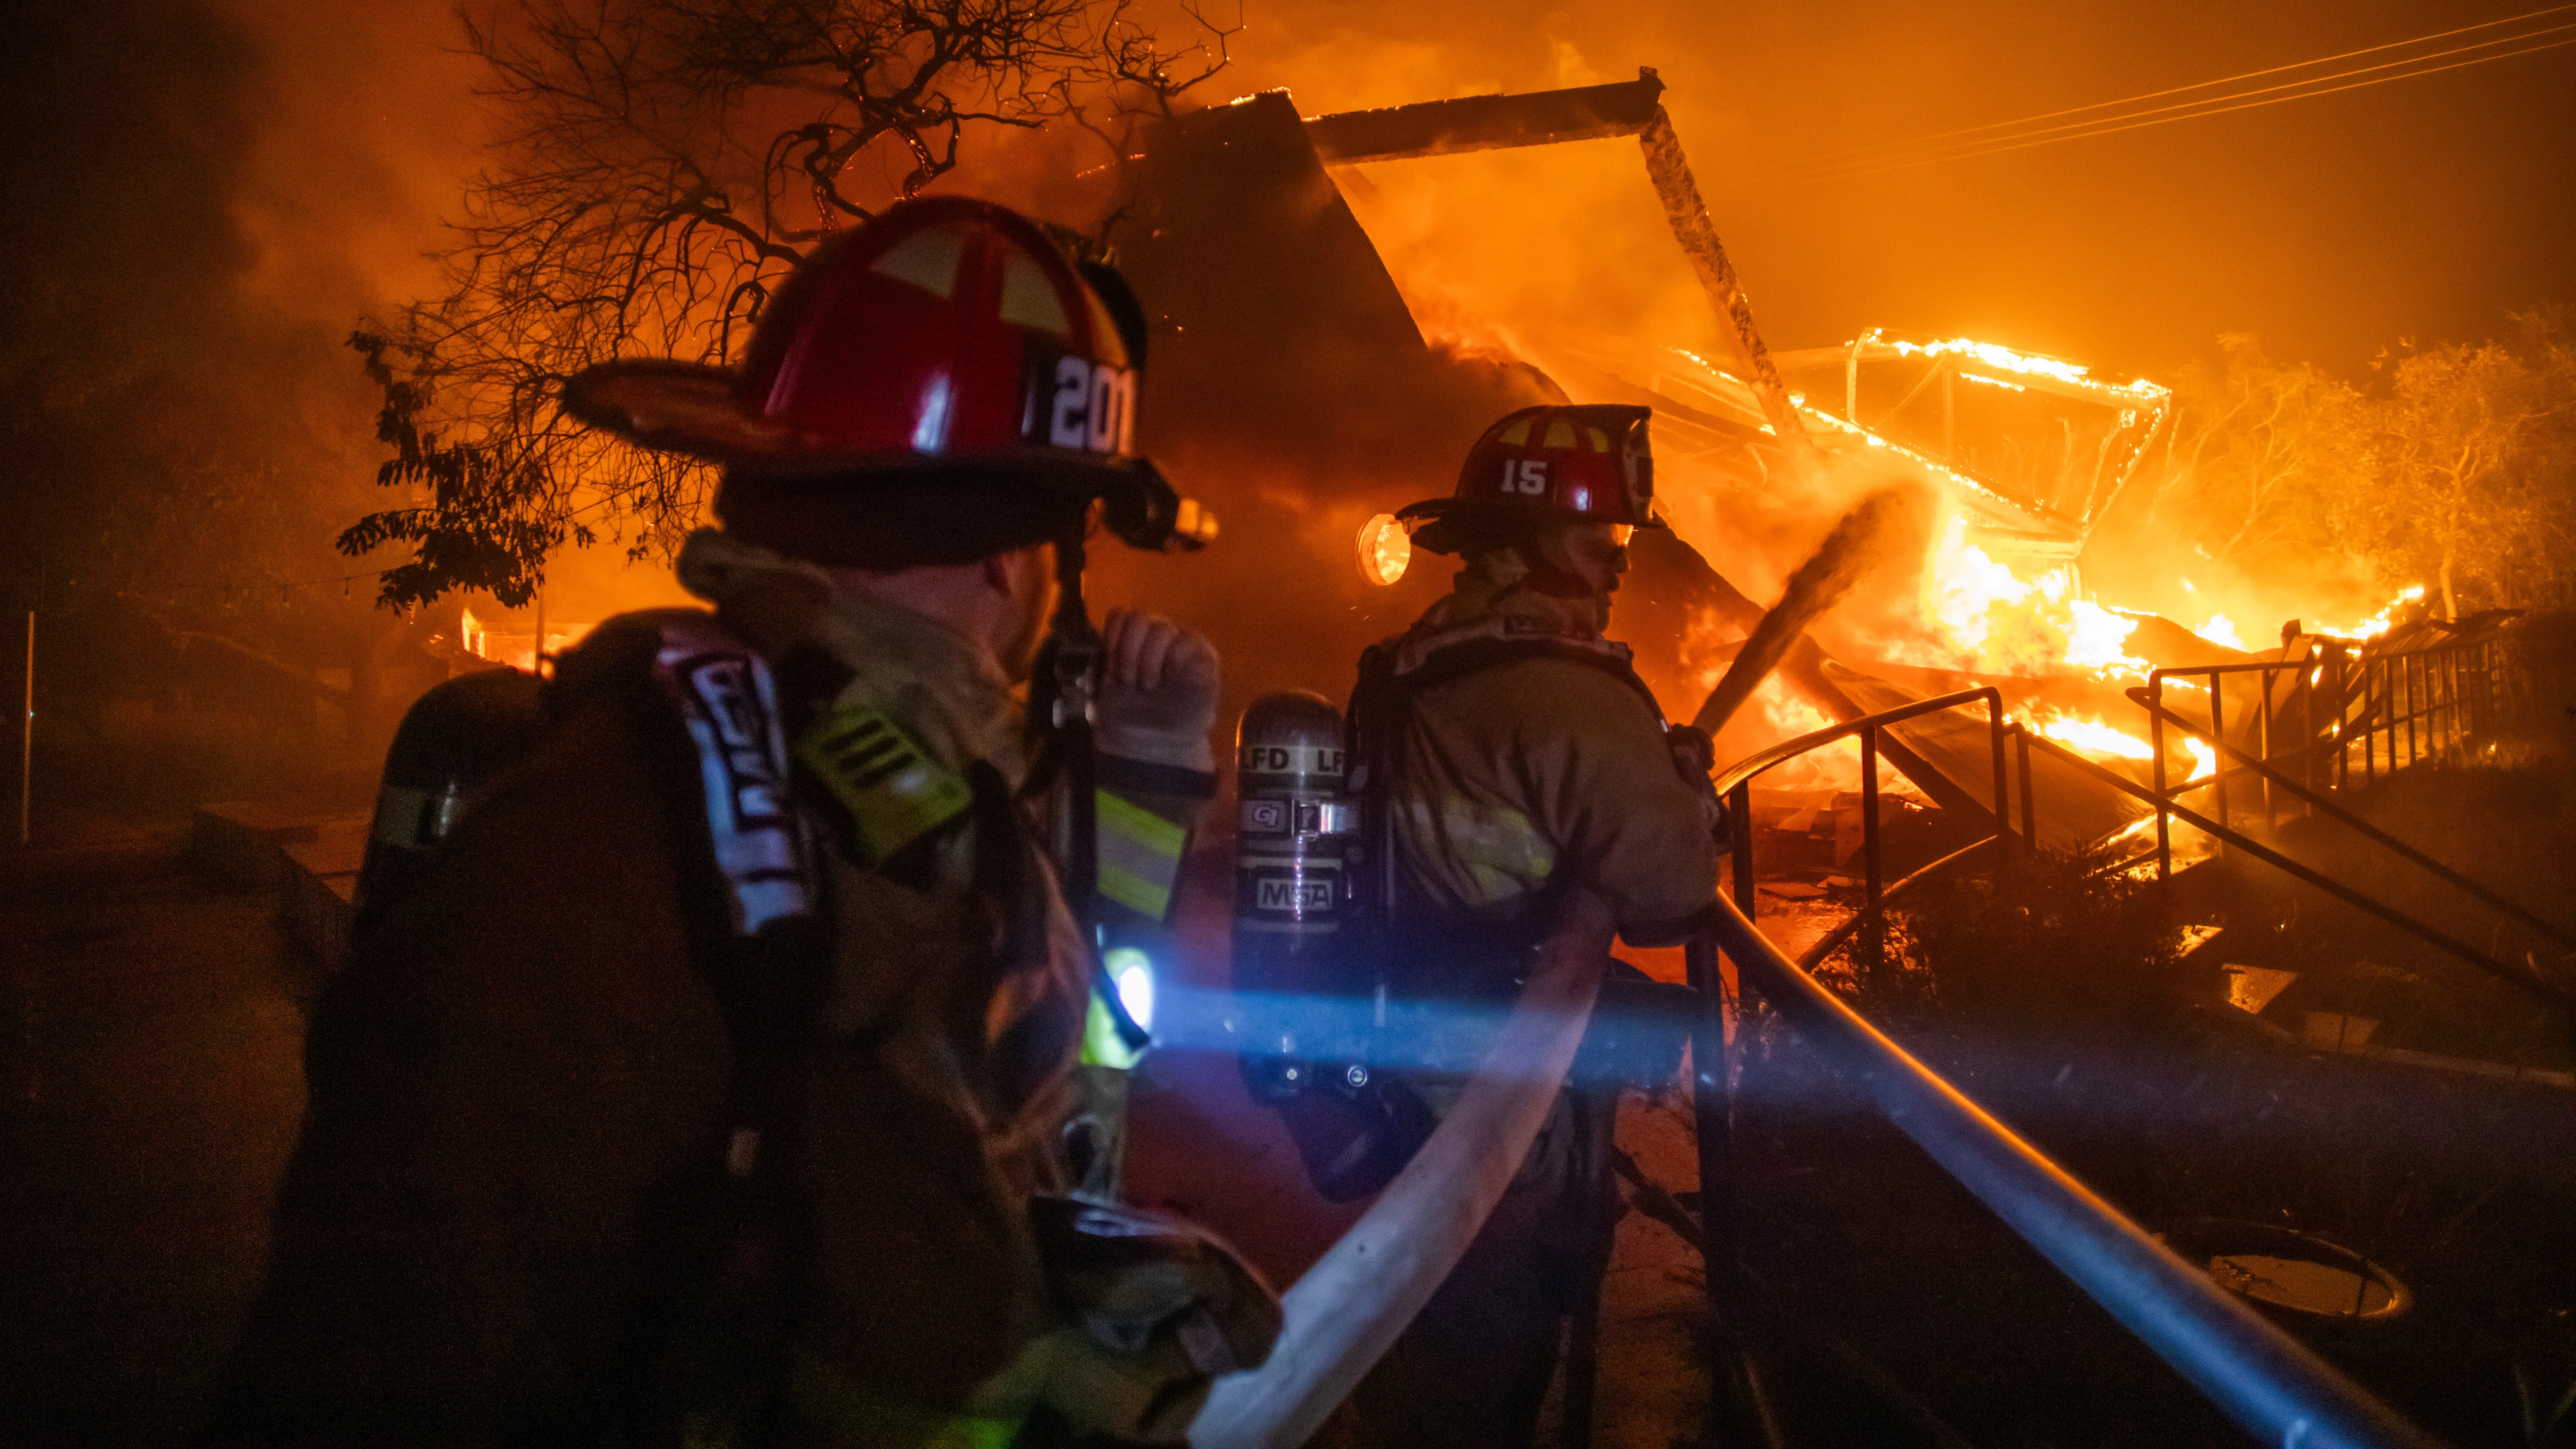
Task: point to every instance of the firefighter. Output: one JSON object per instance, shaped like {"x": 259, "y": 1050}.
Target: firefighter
{"x": 1509, "y": 750}
{"x": 718, "y": 1077}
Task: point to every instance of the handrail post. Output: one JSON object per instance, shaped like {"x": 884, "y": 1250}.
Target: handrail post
{"x": 2415, "y": 708}
{"x": 2003, "y": 784}
{"x": 2156, "y": 728}
{"x": 2218, "y": 731}
{"x": 2263, "y": 746}
{"x": 1739, "y": 806}
{"x": 2338, "y": 658}
{"x": 2448, "y": 731}
{"x": 2451, "y": 672}
{"x": 2029, "y": 831}
{"x": 2370, "y": 720}
{"x": 1712, "y": 1104}
{"x": 2306, "y": 689}
{"x": 1869, "y": 848}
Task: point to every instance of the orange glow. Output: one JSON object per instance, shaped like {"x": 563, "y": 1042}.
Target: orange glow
{"x": 518, "y": 650}
{"x": 2220, "y": 630}
{"x": 2094, "y": 737}
{"x": 1993, "y": 621}
{"x": 2007, "y": 360}
{"x": 2376, "y": 624}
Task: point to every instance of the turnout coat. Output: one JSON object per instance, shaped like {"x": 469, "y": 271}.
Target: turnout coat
{"x": 521, "y": 1088}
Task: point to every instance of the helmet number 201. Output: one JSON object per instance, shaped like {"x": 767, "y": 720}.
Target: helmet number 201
{"x": 1094, "y": 406}
{"x": 1525, "y": 475}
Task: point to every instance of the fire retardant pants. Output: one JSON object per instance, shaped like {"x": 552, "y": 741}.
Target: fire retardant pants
{"x": 1473, "y": 1369}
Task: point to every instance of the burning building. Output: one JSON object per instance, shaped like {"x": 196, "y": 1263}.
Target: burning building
{"x": 1252, "y": 234}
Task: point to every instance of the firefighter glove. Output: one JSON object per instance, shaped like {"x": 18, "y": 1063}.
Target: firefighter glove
{"x": 1158, "y": 687}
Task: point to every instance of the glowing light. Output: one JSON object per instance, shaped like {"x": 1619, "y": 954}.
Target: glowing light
{"x": 2101, "y": 739}
{"x": 1998, "y": 622}
{"x": 519, "y": 651}
{"x": 2204, "y": 758}
{"x": 2029, "y": 365}
{"x": 2220, "y": 630}
{"x": 1385, "y": 549}
{"x": 2376, "y": 624}
{"x": 2095, "y": 640}
{"x": 1132, "y": 971}
{"x": 2093, "y": 737}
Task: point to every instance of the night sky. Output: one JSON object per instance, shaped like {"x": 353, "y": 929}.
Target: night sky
{"x": 2330, "y": 227}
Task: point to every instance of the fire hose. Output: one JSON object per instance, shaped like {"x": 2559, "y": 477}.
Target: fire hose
{"x": 1343, "y": 1314}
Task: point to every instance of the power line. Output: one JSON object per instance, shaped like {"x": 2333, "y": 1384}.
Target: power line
{"x": 237, "y": 587}
{"x": 1863, "y": 155}
{"x": 2103, "y": 124}
{"x": 2111, "y": 125}
{"x": 2212, "y": 105}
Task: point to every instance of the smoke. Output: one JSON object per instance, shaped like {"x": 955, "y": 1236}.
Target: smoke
{"x": 1887, "y": 526}
{"x": 201, "y": 199}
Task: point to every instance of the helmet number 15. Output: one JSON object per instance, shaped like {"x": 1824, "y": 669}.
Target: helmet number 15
{"x": 1525, "y": 475}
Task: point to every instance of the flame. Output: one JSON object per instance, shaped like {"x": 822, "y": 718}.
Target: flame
{"x": 2094, "y": 737}
{"x": 2376, "y": 624}
{"x": 1992, "y": 620}
{"x": 2099, "y": 738}
{"x": 2219, "y": 630}
{"x": 517, "y": 650}
{"x": 2029, "y": 365}
{"x": 2204, "y": 758}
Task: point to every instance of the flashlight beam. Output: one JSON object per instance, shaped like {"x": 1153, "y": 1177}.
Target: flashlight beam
{"x": 1342, "y": 1316}
{"x": 2258, "y": 1375}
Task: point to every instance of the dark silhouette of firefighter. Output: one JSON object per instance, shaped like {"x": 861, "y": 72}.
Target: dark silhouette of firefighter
{"x": 729, "y": 1067}
{"x": 1504, "y": 750}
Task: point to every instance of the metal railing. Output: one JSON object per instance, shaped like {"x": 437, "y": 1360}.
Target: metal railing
{"x": 1736, "y": 785}
{"x": 2332, "y": 714}
{"x": 2308, "y": 875}
{"x": 2265, "y": 1380}
{"x": 2253, "y": 1371}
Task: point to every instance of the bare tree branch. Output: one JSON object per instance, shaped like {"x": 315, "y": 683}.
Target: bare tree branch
{"x": 663, "y": 165}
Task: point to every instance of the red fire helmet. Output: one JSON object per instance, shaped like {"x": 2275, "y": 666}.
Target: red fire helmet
{"x": 947, "y": 354}
{"x": 1568, "y": 463}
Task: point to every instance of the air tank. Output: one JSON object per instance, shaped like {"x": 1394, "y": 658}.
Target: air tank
{"x": 451, "y": 743}
{"x": 1296, "y": 830}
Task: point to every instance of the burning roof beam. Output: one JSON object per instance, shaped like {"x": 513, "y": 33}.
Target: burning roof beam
{"x": 1586, "y": 113}
{"x": 1487, "y": 123}
{"x": 1986, "y": 359}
